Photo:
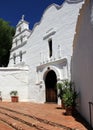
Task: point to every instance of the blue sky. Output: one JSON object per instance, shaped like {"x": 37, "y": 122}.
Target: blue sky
{"x": 12, "y": 10}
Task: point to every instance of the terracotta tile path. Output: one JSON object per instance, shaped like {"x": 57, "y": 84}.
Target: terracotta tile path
{"x": 31, "y": 116}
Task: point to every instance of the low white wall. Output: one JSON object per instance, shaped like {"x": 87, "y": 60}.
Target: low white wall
{"x": 14, "y": 79}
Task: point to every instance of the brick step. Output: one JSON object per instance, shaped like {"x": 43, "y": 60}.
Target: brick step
{"x": 30, "y": 120}
{"x": 16, "y": 125}
{"x": 4, "y": 126}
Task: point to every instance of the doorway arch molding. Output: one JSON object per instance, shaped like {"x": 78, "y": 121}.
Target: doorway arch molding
{"x": 55, "y": 69}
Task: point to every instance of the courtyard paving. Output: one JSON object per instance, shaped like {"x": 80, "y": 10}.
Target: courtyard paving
{"x": 32, "y": 116}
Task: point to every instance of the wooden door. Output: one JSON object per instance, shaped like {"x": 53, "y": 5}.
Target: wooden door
{"x": 51, "y": 95}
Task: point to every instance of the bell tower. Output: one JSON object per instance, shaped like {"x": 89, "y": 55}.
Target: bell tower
{"x": 22, "y": 33}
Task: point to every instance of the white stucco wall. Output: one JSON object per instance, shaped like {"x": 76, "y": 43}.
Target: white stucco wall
{"x": 59, "y": 24}
{"x": 82, "y": 72}
{"x": 14, "y": 79}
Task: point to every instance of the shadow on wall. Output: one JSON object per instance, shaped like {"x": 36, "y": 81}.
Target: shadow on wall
{"x": 82, "y": 60}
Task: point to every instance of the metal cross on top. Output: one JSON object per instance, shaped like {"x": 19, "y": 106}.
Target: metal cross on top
{"x": 23, "y": 17}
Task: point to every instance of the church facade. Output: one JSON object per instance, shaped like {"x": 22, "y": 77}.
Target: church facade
{"x": 46, "y": 50}
{"x": 47, "y": 54}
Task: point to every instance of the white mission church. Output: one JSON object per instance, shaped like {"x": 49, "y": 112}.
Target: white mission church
{"x": 59, "y": 47}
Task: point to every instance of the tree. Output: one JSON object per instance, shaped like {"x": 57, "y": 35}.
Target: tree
{"x": 6, "y": 35}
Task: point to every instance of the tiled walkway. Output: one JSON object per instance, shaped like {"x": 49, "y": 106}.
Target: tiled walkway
{"x": 31, "y": 116}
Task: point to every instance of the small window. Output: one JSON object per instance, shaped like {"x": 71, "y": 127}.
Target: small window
{"x": 14, "y": 58}
{"x": 21, "y": 38}
{"x": 19, "y": 29}
{"x": 50, "y": 47}
{"x": 20, "y": 56}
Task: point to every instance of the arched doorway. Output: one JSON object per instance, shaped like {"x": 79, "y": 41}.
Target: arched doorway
{"x": 50, "y": 84}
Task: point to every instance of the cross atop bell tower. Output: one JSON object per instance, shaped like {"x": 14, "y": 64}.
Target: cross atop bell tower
{"x": 23, "y": 17}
